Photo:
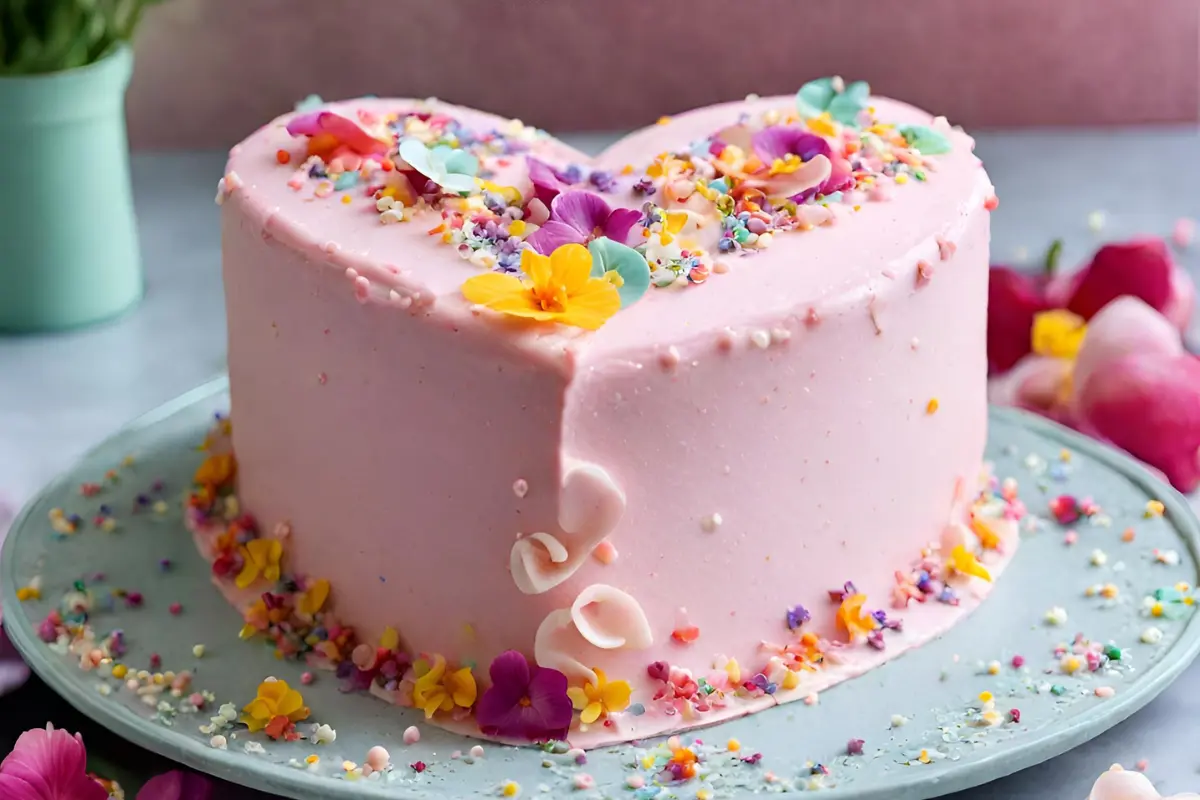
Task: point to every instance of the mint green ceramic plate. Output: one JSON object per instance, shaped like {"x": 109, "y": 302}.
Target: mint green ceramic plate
{"x": 935, "y": 688}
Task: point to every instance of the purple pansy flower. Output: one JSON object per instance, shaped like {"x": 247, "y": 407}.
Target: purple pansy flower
{"x": 780, "y": 141}
{"x": 48, "y": 764}
{"x": 524, "y": 702}
{"x": 177, "y": 785}
{"x": 580, "y": 217}
{"x": 797, "y": 616}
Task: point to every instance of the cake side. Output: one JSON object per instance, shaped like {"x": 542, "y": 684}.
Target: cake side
{"x": 725, "y": 497}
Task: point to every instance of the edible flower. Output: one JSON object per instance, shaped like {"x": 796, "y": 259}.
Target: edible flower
{"x": 926, "y": 140}
{"x": 548, "y": 182}
{"x": 312, "y": 600}
{"x": 623, "y": 267}
{"x": 559, "y": 288}
{"x": 260, "y": 557}
{"x": 215, "y": 470}
{"x": 833, "y": 97}
{"x": 963, "y": 562}
{"x": 790, "y": 153}
{"x": 275, "y": 705}
{"x": 524, "y": 702}
{"x": 604, "y": 697}
{"x": 852, "y": 619}
{"x": 48, "y": 764}
{"x": 438, "y": 688}
{"x": 580, "y": 217}
{"x": 337, "y": 138}
{"x": 450, "y": 168}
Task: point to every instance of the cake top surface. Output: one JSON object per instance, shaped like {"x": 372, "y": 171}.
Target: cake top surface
{"x": 747, "y": 213}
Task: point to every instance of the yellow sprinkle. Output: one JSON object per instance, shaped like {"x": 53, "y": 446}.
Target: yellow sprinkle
{"x": 1089, "y": 591}
{"x": 198, "y": 651}
{"x": 663, "y": 120}
{"x": 1156, "y": 610}
{"x": 158, "y": 679}
{"x": 349, "y": 766}
{"x": 1064, "y": 456}
{"x": 703, "y": 794}
{"x": 28, "y": 593}
{"x": 120, "y": 671}
{"x": 1183, "y": 587}
{"x": 346, "y": 199}
{"x": 314, "y": 758}
{"x": 985, "y": 697}
{"x": 647, "y": 762}
{"x": 1110, "y": 590}
{"x": 791, "y": 680}
{"x": 994, "y": 668}
{"x": 902, "y": 178}
{"x": 517, "y": 227}
{"x": 109, "y": 525}
{"x": 1071, "y": 665}
{"x": 1154, "y": 508}
{"x": 127, "y": 461}
{"x": 510, "y": 789}
{"x": 924, "y": 757}
{"x": 733, "y": 745}
{"x": 932, "y": 406}
{"x": 390, "y": 639}
{"x": 627, "y": 169}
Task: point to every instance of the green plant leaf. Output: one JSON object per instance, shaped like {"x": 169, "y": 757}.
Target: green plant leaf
{"x": 40, "y": 36}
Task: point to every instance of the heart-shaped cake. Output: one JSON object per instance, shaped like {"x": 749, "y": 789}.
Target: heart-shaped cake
{"x": 554, "y": 447}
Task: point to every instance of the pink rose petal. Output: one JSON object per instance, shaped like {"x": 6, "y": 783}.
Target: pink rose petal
{"x": 1125, "y": 327}
{"x": 48, "y": 764}
{"x": 1014, "y": 298}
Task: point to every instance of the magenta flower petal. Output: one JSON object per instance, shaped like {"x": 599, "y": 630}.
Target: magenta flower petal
{"x": 177, "y": 785}
{"x": 1141, "y": 268}
{"x": 1014, "y": 298}
{"x": 549, "y": 703}
{"x": 1178, "y": 310}
{"x": 620, "y": 225}
{"x": 779, "y": 141}
{"x": 546, "y": 182}
{"x": 1147, "y": 405}
{"x": 553, "y": 235}
{"x": 52, "y": 765}
{"x": 583, "y": 211}
{"x": 524, "y": 703}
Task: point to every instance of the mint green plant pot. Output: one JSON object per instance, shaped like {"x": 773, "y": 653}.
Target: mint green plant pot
{"x": 68, "y": 238}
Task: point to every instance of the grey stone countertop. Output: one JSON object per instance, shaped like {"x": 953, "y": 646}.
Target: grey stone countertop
{"x": 61, "y": 394}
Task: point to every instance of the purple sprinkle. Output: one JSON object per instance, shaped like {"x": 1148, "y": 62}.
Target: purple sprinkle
{"x": 854, "y": 747}
{"x": 797, "y": 615}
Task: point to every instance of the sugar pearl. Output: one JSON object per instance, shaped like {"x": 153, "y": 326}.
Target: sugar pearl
{"x": 378, "y": 757}
{"x": 412, "y": 734}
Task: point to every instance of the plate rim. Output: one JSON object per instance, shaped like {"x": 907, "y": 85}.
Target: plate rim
{"x": 233, "y": 766}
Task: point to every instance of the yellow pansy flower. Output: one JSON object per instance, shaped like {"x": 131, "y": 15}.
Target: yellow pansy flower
{"x": 438, "y": 688}
{"x": 963, "y": 561}
{"x": 594, "y": 700}
{"x": 852, "y": 619}
{"x": 559, "y": 288}
{"x": 275, "y": 699}
{"x": 510, "y": 194}
{"x": 260, "y": 557}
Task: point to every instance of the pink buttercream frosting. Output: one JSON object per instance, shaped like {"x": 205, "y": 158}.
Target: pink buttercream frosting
{"x": 815, "y": 413}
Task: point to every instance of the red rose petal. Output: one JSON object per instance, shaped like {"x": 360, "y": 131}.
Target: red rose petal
{"x": 1141, "y": 268}
{"x": 1014, "y": 298}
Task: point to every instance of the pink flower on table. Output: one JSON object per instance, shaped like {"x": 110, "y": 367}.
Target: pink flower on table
{"x": 48, "y": 764}
{"x": 177, "y": 785}
{"x": 580, "y": 217}
{"x": 524, "y": 702}
{"x": 1140, "y": 268}
{"x": 1131, "y": 384}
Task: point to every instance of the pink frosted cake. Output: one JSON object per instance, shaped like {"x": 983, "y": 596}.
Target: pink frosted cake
{"x": 553, "y": 447}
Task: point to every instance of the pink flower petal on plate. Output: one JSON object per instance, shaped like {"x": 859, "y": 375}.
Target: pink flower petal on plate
{"x": 1014, "y": 299}
{"x": 1034, "y": 384}
{"x": 52, "y": 763}
{"x": 346, "y": 131}
{"x": 1124, "y": 327}
{"x": 1147, "y": 404}
{"x": 1141, "y": 268}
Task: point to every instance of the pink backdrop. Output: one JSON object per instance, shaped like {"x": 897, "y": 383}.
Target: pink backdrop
{"x": 210, "y": 71}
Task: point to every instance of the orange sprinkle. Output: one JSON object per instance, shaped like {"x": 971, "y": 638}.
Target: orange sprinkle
{"x": 438, "y": 229}
{"x": 1128, "y": 535}
{"x": 992, "y": 203}
{"x": 346, "y": 199}
{"x": 627, "y": 169}
{"x": 663, "y": 120}
{"x": 387, "y": 165}
{"x": 932, "y": 406}
{"x": 686, "y": 635}
{"x": 283, "y": 156}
